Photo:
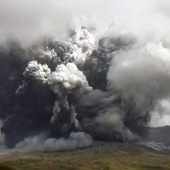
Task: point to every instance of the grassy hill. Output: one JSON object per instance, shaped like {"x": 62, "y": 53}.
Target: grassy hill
{"x": 102, "y": 156}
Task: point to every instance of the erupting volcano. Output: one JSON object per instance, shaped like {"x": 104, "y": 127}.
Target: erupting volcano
{"x": 72, "y": 72}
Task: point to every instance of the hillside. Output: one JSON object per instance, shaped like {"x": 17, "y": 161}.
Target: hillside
{"x": 102, "y": 156}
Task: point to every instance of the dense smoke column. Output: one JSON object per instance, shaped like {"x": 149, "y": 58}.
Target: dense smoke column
{"x": 47, "y": 93}
{"x": 34, "y": 104}
{"x": 104, "y": 113}
{"x": 97, "y": 65}
{"x": 51, "y": 86}
{"x": 12, "y": 67}
{"x": 95, "y": 68}
{"x": 67, "y": 81}
{"x": 56, "y": 89}
{"x": 21, "y": 109}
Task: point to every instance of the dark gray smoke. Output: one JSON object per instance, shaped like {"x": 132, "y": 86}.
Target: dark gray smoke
{"x": 66, "y": 78}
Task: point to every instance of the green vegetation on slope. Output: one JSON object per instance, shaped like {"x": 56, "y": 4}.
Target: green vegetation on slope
{"x": 107, "y": 156}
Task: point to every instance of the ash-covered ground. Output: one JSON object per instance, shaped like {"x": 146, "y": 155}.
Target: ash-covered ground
{"x": 73, "y": 72}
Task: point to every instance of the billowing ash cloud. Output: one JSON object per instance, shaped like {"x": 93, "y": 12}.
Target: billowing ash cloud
{"x": 142, "y": 74}
{"x": 41, "y": 143}
{"x": 75, "y": 70}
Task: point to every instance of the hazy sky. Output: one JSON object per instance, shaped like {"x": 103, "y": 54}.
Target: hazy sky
{"x": 29, "y": 20}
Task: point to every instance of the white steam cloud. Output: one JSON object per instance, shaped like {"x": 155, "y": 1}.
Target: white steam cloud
{"x": 142, "y": 73}
{"x": 68, "y": 77}
{"x": 160, "y": 115}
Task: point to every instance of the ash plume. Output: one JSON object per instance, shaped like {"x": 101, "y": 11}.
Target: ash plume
{"x": 82, "y": 70}
{"x": 42, "y": 143}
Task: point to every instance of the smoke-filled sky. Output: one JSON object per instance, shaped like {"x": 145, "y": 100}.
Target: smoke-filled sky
{"x": 29, "y": 21}
{"x": 117, "y": 51}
